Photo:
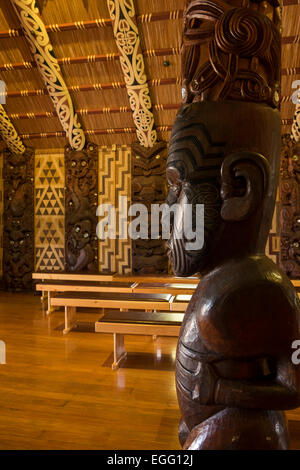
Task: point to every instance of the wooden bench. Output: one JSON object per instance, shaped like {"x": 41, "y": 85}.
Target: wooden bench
{"x": 137, "y": 323}
{"x": 50, "y": 284}
{"x": 54, "y": 287}
{"x": 122, "y": 302}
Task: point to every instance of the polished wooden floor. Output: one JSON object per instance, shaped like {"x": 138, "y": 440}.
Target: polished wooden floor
{"x": 59, "y": 392}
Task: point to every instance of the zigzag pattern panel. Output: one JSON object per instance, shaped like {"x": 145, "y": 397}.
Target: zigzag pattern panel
{"x": 49, "y": 212}
{"x": 106, "y": 181}
{"x": 123, "y": 188}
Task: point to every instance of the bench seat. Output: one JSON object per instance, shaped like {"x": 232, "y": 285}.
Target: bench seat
{"x": 122, "y": 302}
{"x": 137, "y": 323}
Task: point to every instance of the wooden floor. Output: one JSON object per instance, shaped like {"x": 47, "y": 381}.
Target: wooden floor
{"x": 59, "y": 392}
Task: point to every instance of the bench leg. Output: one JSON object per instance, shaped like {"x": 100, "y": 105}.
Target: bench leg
{"x": 51, "y": 309}
{"x": 43, "y": 296}
{"x": 70, "y": 319}
{"x": 119, "y": 350}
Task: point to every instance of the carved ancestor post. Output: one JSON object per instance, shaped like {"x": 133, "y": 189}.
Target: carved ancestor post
{"x": 148, "y": 186}
{"x": 18, "y": 237}
{"x": 290, "y": 207}
{"x": 81, "y": 205}
{"x": 234, "y": 372}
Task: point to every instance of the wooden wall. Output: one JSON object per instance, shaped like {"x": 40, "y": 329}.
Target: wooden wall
{"x": 49, "y": 214}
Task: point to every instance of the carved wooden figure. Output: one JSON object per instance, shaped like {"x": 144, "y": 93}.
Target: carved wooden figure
{"x": 81, "y": 205}
{"x": 148, "y": 186}
{"x": 234, "y": 370}
{"x": 290, "y": 207}
{"x": 18, "y": 239}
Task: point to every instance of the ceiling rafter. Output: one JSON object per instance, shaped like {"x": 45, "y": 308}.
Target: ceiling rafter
{"x": 42, "y": 50}
{"x": 97, "y": 23}
{"x": 126, "y": 33}
{"x": 90, "y": 111}
{"x": 93, "y": 58}
{"x": 123, "y": 130}
{"x": 154, "y": 82}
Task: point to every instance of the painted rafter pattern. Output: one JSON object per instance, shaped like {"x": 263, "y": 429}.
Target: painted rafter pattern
{"x": 122, "y": 13}
{"x": 9, "y": 133}
{"x": 42, "y": 50}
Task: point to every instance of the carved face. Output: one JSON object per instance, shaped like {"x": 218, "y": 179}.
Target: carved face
{"x": 79, "y": 165}
{"x": 80, "y": 234}
{"x": 193, "y": 173}
{"x": 296, "y": 158}
{"x": 18, "y": 244}
{"x": 16, "y": 169}
{"x": 294, "y": 250}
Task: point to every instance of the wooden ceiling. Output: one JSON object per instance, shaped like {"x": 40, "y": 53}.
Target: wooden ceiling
{"x": 163, "y": 36}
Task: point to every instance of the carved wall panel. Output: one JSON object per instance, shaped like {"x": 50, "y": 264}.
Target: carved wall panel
{"x": 290, "y": 207}
{"x": 18, "y": 241}
{"x": 114, "y": 182}
{"x": 81, "y": 205}
{"x": 49, "y": 212}
{"x": 148, "y": 187}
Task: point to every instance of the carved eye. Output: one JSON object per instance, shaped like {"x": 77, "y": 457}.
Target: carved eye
{"x": 296, "y": 245}
{"x": 86, "y": 235}
{"x": 83, "y": 163}
{"x": 73, "y": 163}
{"x": 77, "y": 229}
{"x": 21, "y": 242}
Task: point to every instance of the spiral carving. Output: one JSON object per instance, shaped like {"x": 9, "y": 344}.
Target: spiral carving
{"x": 243, "y": 50}
{"x": 243, "y": 32}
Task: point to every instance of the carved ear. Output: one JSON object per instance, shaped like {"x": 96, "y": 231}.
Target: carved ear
{"x": 245, "y": 177}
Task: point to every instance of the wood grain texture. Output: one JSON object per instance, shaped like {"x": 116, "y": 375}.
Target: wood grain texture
{"x": 55, "y": 392}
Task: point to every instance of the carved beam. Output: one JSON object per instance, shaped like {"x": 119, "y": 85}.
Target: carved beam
{"x": 42, "y": 50}
{"x": 122, "y": 13}
{"x": 9, "y": 133}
